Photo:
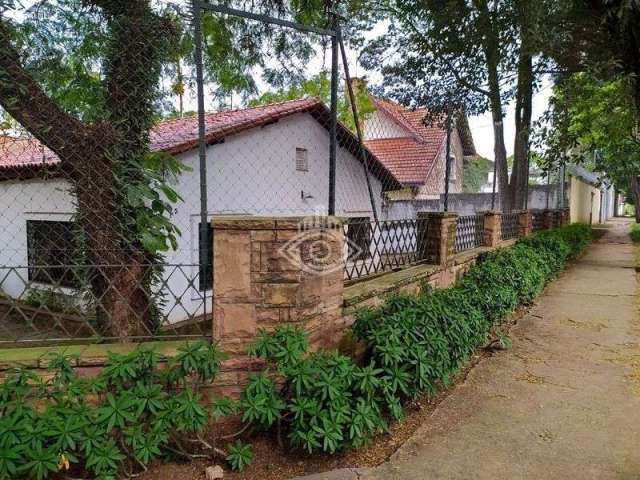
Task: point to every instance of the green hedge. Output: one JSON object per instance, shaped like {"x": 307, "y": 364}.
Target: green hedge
{"x": 415, "y": 343}
{"x": 321, "y": 401}
{"x": 430, "y": 336}
{"x": 635, "y": 232}
{"x": 115, "y": 424}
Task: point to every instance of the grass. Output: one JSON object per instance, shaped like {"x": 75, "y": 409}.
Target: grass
{"x": 635, "y": 232}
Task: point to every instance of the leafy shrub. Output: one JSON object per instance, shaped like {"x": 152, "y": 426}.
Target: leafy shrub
{"x": 113, "y": 424}
{"x": 415, "y": 343}
{"x": 324, "y": 401}
{"x": 428, "y": 337}
{"x": 635, "y": 232}
{"x": 53, "y": 301}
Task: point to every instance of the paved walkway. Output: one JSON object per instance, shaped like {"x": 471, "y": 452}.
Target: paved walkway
{"x": 563, "y": 403}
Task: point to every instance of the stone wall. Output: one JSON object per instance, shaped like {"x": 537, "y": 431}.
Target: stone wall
{"x": 275, "y": 271}
{"x": 286, "y": 271}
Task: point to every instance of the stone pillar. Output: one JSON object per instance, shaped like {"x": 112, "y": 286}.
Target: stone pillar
{"x": 275, "y": 271}
{"x": 492, "y": 228}
{"x": 548, "y": 219}
{"x": 525, "y": 223}
{"x": 437, "y": 236}
{"x": 566, "y": 216}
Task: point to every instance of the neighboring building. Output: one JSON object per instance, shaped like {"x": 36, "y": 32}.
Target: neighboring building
{"x": 271, "y": 160}
{"x": 415, "y": 153}
{"x": 536, "y": 177}
{"x": 591, "y": 198}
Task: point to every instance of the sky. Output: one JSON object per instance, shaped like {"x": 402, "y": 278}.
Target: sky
{"x": 482, "y": 126}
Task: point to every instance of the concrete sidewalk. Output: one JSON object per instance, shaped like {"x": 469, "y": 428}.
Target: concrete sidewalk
{"x": 564, "y": 402}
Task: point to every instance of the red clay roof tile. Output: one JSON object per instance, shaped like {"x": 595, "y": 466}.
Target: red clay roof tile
{"x": 412, "y": 158}
{"x": 181, "y": 135}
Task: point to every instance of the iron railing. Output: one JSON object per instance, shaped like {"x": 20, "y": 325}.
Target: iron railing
{"x": 509, "y": 226}
{"x": 48, "y": 304}
{"x": 373, "y": 247}
{"x": 469, "y": 232}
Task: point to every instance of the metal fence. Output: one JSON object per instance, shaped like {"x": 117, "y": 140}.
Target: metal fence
{"x": 374, "y": 247}
{"x": 469, "y": 232}
{"x": 510, "y": 227}
{"x": 113, "y": 165}
{"x": 110, "y": 179}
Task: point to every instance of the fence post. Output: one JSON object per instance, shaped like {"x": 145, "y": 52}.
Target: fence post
{"x": 492, "y": 228}
{"x": 437, "y": 236}
{"x": 525, "y": 223}
{"x": 273, "y": 271}
{"x": 566, "y": 216}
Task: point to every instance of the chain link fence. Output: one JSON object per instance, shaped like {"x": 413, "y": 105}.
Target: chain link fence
{"x": 122, "y": 138}
{"x": 99, "y": 231}
{"x": 113, "y": 163}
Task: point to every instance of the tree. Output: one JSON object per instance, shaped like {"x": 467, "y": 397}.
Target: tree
{"x": 475, "y": 54}
{"x": 83, "y": 78}
{"x": 602, "y": 38}
{"x": 108, "y": 161}
{"x": 452, "y": 52}
{"x": 476, "y": 170}
{"x": 593, "y": 122}
{"x": 319, "y": 86}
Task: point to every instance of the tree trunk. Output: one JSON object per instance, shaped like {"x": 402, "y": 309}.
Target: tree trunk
{"x": 119, "y": 268}
{"x": 635, "y": 193}
{"x": 102, "y": 160}
{"x": 491, "y": 48}
{"x": 523, "y": 114}
{"x": 500, "y": 151}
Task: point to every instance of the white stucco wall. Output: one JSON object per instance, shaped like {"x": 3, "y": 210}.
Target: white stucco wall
{"x": 252, "y": 173}
{"x": 584, "y": 201}
{"x": 26, "y": 200}
{"x": 381, "y": 125}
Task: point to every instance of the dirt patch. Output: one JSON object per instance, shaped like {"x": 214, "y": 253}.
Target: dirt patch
{"x": 531, "y": 378}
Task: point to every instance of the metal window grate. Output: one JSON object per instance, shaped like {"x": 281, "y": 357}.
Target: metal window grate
{"x": 469, "y": 232}
{"x": 375, "y": 247}
{"x": 510, "y": 226}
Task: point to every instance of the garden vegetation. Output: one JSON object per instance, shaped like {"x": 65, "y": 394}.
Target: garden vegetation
{"x": 635, "y": 232}
{"x": 134, "y": 412}
{"x": 415, "y": 344}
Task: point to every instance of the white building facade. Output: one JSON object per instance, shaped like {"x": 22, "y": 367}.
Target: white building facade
{"x": 280, "y": 168}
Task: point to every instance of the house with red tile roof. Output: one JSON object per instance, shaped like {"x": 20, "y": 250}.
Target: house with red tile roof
{"x": 414, "y": 150}
{"x": 270, "y": 160}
